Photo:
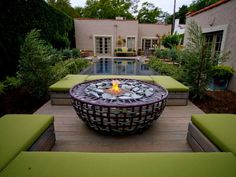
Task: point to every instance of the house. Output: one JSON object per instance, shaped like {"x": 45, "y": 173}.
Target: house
{"x": 218, "y": 23}
{"x": 102, "y": 36}
{"x": 179, "y": 28}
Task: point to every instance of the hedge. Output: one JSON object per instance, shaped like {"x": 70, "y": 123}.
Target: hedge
{"x": 18, "y": 17}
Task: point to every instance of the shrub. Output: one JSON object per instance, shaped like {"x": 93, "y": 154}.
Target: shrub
{"x": 161, "y": 53}
{"x": 75, "y": 53}
{"x": 222, "y": 72}
{"x": 2, "y": 87}
{"x": 34, "y": 64}
{"x": 197, "y": 61}
{"x": 18, "y": 17}
{"x": 166, "y": 69}
{"x": 171, "y": 40}
{"x": 71, "y": 66}
{"x": 12, "y": 82}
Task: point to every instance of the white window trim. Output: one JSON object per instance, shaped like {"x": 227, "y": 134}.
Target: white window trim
{"x": 223, "y": 28}
{"x": 135, "y": 37}
{"x": 147, "y": 37}
{"x": 102, "y": 35}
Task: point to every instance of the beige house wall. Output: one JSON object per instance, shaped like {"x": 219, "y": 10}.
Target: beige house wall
{"x": 151, "y": 31}
{"x": 222, "y": 17}
{"x": 87, "y": 29}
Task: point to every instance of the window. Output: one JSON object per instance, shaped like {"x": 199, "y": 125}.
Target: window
{"x": 214, "y": 42}
{"x": 103, "y": 45}
{"x": 131, "y": 42}
{"x": 149, "y": 43}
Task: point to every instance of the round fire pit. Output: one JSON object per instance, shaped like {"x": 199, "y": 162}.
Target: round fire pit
{"x": 120, "y": 106}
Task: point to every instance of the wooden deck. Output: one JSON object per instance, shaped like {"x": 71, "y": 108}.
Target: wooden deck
{"x": 168, "y": 133}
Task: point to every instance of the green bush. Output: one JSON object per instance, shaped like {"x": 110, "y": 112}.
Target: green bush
{"x": 171, "y": 40}
{"x": 12, "y": 82}
{"x": 70, "y": 66}
{"x": 222, "y": 72}
{"x": 166, "y": 69}
{"x": 2, "y": 88}
{"x": 40, "y": 65}
{"x": 198, "y": 61}
{"x": 18, "y": 17}
{"x": 34, "y": 64}
{"x": 161, "y": 53}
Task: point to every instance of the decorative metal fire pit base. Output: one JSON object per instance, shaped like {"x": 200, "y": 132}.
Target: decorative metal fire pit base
{"x": 129, "y": 110}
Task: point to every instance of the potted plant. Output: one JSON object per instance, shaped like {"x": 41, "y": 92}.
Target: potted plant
{"x": 221, "y": 76}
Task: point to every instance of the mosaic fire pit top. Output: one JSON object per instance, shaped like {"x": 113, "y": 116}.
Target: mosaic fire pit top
{"x": 118, "y": 92}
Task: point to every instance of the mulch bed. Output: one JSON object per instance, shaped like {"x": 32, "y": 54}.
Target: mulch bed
{"x": 218, "y": 102}
{"x": 19, "y": 101}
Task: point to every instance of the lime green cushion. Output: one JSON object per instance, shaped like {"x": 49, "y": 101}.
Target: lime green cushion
{"x": 72, "y": 164}
{"x": 169, "y": 83}
{"x": 138, "y": 77}
{"x": 67, "y": 82}
{"x": 18, "y": 133}
{"x": 219, "y": 128}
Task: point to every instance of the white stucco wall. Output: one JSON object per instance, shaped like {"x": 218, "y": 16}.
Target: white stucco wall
{"x": 222, "y": 17}
{"x": 151, "y": 30}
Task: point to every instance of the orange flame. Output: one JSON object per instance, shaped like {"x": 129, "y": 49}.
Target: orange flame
{"x": 115, "y": 86}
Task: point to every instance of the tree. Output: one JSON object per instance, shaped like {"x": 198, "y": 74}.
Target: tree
{"x": 198, "y": 61}
{"x": 199, "y": 4}
{"x": 64, "y": 6}
{"x": 108, "y": 9}
{"x": 148, "y": 13}
{"x": 181, "y": 15}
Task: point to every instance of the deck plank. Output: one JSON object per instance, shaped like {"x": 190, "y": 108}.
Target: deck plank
{"x": 167, "y": 134}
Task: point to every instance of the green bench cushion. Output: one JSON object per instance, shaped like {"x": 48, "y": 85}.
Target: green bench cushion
{"x": 67, "y": 82}
{"x": 169, "y": 83}
{"x": 137, "y": 77}
{"x": 18, "y": 133}
{"x": 219, "y": 128}
{"x": 75, "y": 164}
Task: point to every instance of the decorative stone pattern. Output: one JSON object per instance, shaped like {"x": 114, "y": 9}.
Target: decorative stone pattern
{"x": 130, "y": 111}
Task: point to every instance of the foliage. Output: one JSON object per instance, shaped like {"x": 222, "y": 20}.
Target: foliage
{"x": 171, "y": 40}
{"x": 173, "y": 54}
{"x": 222, "y": 72}
{"x": 12, "y": 82}
{"x": 107, "y": 9}
{"x": 199, "y": 4}
{"x": 198, "y": 61}
{"x": 181, "y": 15}
{"x": 41, "y": 65}
{"x": 166, "y": 69}
{"x": 71, "y": 66}
{"x": 148, "y": 13}
{"x": 34, "y": 64}
{"x": 2, "y": 87}
{"x": 64, "y": 6}
{"x": 18, "y": 18}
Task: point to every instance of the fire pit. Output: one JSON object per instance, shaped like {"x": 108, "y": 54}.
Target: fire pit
{"x": 121, "y": 106}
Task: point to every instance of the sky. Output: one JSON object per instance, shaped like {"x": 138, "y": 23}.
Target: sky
{"x": 165, "y": 5}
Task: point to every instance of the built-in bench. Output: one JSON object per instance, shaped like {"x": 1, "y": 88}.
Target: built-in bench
{"x": 178, "y": 93}
{"x": 74, "y": 164}
{"x": 59, "y": 92}
{"x": 213, "y": 132}
{"x": 24, "y": 132}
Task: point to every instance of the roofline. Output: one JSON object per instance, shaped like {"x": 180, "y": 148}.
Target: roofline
{"x": 120, "y": 20}
{"x": 190, "y": 14}
{"x": 103, "y": 19}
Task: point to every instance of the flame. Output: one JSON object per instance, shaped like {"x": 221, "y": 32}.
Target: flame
{"x": 115, "y": 87}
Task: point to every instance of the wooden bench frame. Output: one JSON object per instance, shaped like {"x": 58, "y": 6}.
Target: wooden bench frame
{"x": 46, "y": 140}
{"x": 198, "y": 141}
